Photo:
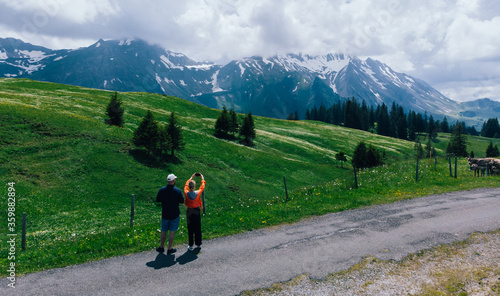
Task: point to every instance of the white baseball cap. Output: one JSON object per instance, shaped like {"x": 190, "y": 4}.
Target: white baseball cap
{"x": 171, "y": 177}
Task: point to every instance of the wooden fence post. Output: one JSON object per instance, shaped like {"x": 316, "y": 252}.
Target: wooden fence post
{"x": 416, "y": 173}
{"x": 435, "y": 159}
{"x": 286, "y": 190}
{"x": 449, "y": 161}
{"x": 355, "y": 178}
{"x": 23, "y": 238}
{"x": 132, "y": 211}
{"x": 456, "y": 159}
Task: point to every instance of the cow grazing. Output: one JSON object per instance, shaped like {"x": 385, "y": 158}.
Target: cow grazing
{"x": 482, "y": 164}
{"x": 494, "y": 166}
{"x": 478, "y": 169}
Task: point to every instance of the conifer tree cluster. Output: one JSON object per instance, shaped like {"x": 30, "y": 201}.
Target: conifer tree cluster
{"x": 229, "y": 123}
{"x": 393, "y": 122}
{"x": 157, "y": 138}
{"x": 293, "y": 116}
{"x": 492, "y": 151}
{"x": 491, "y": 128}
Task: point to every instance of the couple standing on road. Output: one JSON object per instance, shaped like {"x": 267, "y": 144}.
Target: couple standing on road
{"x": 170, "y": 198}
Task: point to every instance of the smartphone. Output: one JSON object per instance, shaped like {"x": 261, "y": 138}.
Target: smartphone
{"x": 197, "y": 174}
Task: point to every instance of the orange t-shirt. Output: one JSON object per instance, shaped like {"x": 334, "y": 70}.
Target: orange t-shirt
{"x": 193, "y": 199}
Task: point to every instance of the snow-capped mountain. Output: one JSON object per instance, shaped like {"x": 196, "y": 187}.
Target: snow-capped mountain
{"x": 18, "y": 58}
{"x": 377, "y": 83}
{"x": 273, "y": 86}
{"x": 304, "y": 81}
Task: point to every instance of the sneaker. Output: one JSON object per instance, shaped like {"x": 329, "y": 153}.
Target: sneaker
{"x": 171, "y": 251}
{"x": 160, "y": 250}
{"x": 190, "y": 248}
{"x": 198, "y": 247}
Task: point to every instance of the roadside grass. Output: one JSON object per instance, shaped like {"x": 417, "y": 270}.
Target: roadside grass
{"x": 74, "y": 175}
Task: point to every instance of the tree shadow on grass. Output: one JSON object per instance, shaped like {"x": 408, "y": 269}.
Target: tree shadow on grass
{"x": 162, "y": 261}
{"x": 152, "y": 161}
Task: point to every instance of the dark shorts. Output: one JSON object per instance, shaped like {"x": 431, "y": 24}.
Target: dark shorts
{"x": 172, "y": 225}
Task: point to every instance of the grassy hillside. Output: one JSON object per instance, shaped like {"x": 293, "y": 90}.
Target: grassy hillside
{"x": 74, "y": 174}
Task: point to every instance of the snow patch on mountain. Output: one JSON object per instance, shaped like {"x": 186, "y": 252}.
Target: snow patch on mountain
{"x": 323, "y": 64}
{"x": 215, "y": 85}
{"x": 166, "y": 61}
{"x": 126, "y": 42}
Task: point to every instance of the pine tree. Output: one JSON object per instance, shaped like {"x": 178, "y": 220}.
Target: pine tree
{"x": 308, "y": 114}
{"x": 444, "y": 125}
{"x": 420, "y": 123}
{"x": 146, "y": 134}
{"x": 419, "y": 150}
{"x": 401, "y": 126}
{"x": 234, "y": 123}
{"x": 428, "y": 147}
{"x": 372, "y": 157}
{"x": 164, "y": 143}
{"x": 115, "y": 110}
{"x": 492, "y": 151}
{"x": 359, "y": 156}
{"x": 365, "y": 117}
{"x": 352, "y": 114}
{"x": 314, "y": 113}
{"x": 175, "y": 133}
{"x": 458, "y": 142}
{"x": 432, "y": 128}
{"x": 383, "y": 120}
{"x": 393, "y": 119}
{"x": 222, "y": 125}
{"x": 322, "y": 113}
{"x": 340, "y": 156}
{"x": 247, "y": 130}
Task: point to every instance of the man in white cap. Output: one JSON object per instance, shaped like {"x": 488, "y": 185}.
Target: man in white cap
{"x": 170, "y": 197}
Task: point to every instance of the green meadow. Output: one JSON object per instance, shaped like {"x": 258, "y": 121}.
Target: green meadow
{"x": 74, "y": 175}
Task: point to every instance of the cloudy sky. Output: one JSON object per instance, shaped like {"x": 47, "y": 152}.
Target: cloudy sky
{"x": 454, "y": 45}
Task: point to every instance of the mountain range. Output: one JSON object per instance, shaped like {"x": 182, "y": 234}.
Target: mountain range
{"x": 274, "y": 86}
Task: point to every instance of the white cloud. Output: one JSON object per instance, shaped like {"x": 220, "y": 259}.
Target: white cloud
{"x": 78, "y": 11}
{"x": 440, "y": 41}
{"x": 471, "y": 39}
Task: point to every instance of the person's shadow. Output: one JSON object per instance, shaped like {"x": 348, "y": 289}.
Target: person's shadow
{"x": 162, "y": 261}
{"x": 187, "y": 257}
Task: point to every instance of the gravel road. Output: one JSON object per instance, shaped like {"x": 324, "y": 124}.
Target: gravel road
{"x": 256, "y": 259}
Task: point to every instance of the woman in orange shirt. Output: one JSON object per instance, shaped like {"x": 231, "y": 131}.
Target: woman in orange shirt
{"x": 193, "y": 210}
